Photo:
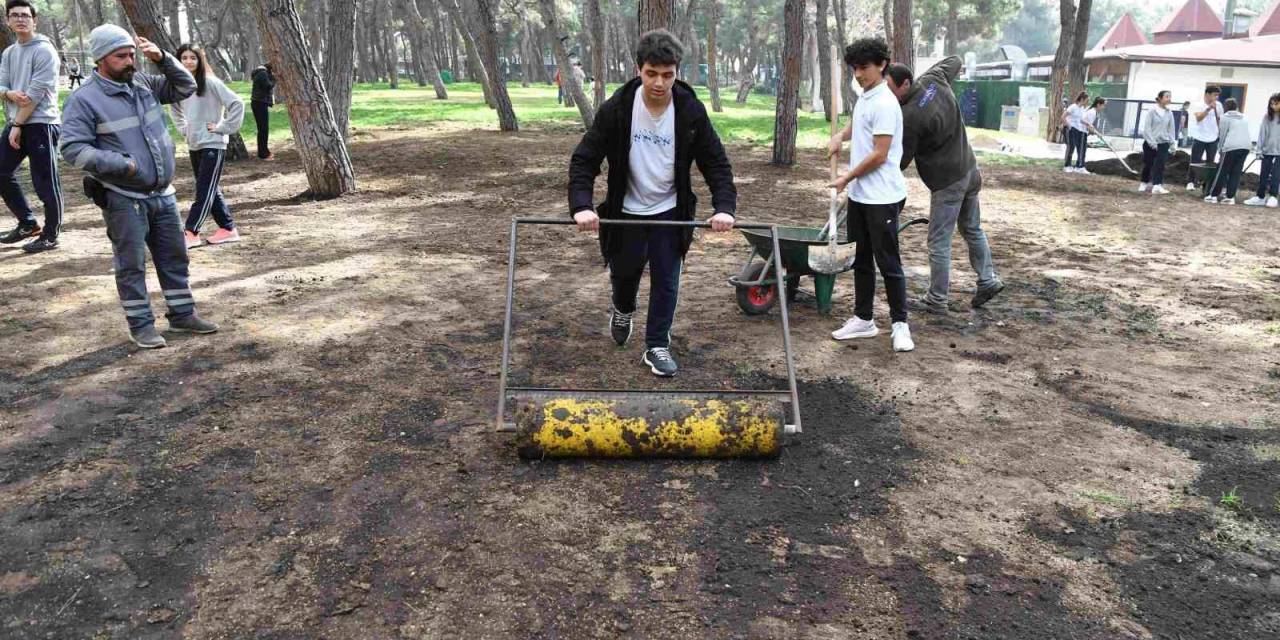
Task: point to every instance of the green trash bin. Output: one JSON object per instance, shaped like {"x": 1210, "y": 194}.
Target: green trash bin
{"x": 446, "y": 76}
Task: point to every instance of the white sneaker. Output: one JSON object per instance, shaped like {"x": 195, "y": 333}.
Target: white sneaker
{"x": 1254, "y": 202}
{"x": 902, "y": 337}
{"x": 1191, "y": 186}
{"x": 856, "y": 327}
{"x": 1159, "y": 190}
{"x": 1227, "y": 201}
{"x": 1068, "y": 169}
{"x": 1211, "y": 199}
{"x": 1084, "y": 171}
{"x": 1272, "y": 202}
{"x": 1142, "y": 188}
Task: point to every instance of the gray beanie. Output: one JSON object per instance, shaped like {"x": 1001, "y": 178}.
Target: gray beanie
{"x": 107, "y": 38}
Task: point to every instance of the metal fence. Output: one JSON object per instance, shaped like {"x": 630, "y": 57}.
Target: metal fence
{"x": 986, "y": 97}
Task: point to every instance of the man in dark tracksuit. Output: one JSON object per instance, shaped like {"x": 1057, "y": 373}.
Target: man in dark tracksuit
{"x": 650, "y": 131}
{"x": 114, "y": 130}
{"x": 261, "y": 99}
{"x": 934, "y": 136}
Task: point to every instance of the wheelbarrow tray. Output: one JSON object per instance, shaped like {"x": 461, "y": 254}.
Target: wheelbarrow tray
{"x": 793, "y": 242}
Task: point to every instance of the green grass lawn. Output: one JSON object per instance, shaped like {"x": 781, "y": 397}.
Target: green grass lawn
{"x": 377, "y": 105}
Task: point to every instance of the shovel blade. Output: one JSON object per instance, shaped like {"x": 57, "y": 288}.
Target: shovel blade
{"x": 831, "y": 260}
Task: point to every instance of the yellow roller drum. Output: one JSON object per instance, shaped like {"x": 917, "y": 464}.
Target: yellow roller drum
{"x": 608, "y": 425}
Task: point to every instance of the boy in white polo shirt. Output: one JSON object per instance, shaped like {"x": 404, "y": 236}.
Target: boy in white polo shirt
{"x": 877, "y": 190}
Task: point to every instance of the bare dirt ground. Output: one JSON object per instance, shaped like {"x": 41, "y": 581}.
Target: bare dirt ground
{"x": 1048, "y": 467}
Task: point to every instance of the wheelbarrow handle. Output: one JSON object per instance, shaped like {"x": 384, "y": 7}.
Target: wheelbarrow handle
{"x": 645, "y": 223}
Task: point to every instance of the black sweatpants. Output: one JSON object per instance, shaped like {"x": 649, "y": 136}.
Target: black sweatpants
{"x": 1075, "y": 142}
{"x": 1153, "y": 159}
{"x": 875, "y": 228}
{"x": 1229, "y": 172}
{"x": 40, "y": 143}
{"x": 658, "y": 247}
{"x": 207, "y": 166}
{"x": 262, "y": 118}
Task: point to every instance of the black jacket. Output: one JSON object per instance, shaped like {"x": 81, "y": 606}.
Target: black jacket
{"x": 933, "y": 130}
{"x": 264, "y": 86}
{"x": 610, "y": 139}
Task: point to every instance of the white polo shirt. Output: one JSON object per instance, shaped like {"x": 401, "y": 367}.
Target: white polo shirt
{"x": 877, "y": 113}
{"x": 1206, "y": 130}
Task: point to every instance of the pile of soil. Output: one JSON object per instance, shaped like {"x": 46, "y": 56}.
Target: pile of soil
{"x": 1176, "y": 169}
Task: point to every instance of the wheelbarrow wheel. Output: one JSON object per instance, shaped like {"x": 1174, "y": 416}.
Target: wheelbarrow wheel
{"x": 758, "y": 299}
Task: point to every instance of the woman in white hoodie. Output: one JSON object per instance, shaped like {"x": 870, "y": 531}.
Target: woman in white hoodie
{"x": 1235, "y": 142}
{"x": 206, "y": 118}
{"x": 1157, "y": 137}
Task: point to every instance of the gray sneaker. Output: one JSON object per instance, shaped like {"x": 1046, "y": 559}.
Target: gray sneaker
{"x": 985, "y": 294}
{"x": 192, "y": 324}
{"x": 148, "y": 338}
{"x": 928, "y": 306}
{"x": 619, "y": 326}
{"x": 660, "y": 362}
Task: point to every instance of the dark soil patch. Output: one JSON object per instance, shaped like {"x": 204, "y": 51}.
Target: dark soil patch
{"x": 1177, "y": 169}
{"x": 1180, "y": 585}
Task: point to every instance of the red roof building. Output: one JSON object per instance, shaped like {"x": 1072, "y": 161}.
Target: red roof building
{"x": 1194, "y": 21}
{"x": 1268, "y": 23}
{"x": 1124, "y": 33}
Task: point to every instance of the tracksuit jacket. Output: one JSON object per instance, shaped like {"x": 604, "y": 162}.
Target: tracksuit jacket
{"x": 610, "y": 138}
{"x": 106, "y": 124}
{"x": 33, "y": 69}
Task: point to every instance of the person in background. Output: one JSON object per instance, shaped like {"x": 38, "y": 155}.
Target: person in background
{"x": 1073, "y": 120}
{"x": 1090, "y": 121}
{"x": 73, "y": 74}
{"x": 1269, "y": 151}
{"x": 262, "y": 98}
{"x": 115, "y": 130}
{"x": 1235, "y": 141}
{"x": 1157, "y": 138}
{"x": 1205, "y": 120}
{"x": 1184, "y": 124}
{"x": 877, "y": 191}
{"x": 206, "y": 118}
{"x": 29, "y": 89}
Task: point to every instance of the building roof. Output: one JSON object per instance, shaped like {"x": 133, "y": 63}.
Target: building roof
{"x": 1268, "y": 23}
{"x": 1124, "y": 33}
{"x": 1193, "y": 17}
{"x": 1236, "y": 52}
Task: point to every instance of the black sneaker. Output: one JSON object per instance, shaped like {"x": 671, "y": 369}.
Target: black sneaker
{"x": 20, "y": 232}
{"x": 148, "y": 338}
{"x": 985, "y": 294}
{"x": 192, "y": 324}
{"x": 620, "y": 326}
{"x": 660, "y": 362}
{"x": 40, "y": 244}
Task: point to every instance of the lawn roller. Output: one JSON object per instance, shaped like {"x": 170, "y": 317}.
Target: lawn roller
{"x": 757, "y": 282}
{"x": 623, "y": 423}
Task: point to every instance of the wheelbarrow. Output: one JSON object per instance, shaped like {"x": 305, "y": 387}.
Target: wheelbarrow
{"x": 757, "y": 283}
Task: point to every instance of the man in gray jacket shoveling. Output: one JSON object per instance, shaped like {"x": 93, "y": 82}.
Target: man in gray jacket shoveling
{"x": 29, "y": 89}
{"x": 114, "y": 129}
{"x": 934, "y": 136}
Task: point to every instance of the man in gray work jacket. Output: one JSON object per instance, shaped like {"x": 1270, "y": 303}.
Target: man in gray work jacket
{"x": 115, "y": 130}
{"x": 934, "y": 136}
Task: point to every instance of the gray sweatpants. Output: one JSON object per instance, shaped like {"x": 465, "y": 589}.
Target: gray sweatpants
{"x": 136, "y": 227}
{"x": 957, "y": 206}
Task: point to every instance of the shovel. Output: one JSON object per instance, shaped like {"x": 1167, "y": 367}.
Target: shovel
{"x": 833, "y": 258}
{"x": 1119, "y": 157}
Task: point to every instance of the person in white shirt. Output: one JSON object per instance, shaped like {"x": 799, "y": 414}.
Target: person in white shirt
{"x": 1073, "y": 121}
{"x": 1206, "y": 118}
{"x": 877, "y": 191}
{"x": 651, "y": 131}
{"x": 1089, "y": 123}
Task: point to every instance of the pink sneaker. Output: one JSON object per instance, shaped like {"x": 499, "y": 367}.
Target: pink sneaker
{"x": 193, "y": 240}
{"x": 222, "y": 236}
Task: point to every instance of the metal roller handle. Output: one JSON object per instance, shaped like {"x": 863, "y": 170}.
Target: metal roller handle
{"x": 645, "y": 223}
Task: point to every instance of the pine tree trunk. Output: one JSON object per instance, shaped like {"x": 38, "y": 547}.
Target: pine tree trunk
{"x": 526, "y": 48}
{"x": 903, "y": 49}
{"x": 423, "y": 47}
{"x": 886, "y": 15}
{"x": 654, "y": 14}
{"x": 339, "y": 64}
{"x": 475, "y": 68}
{"x": 482, "y": 17}
{"x": 785, "y": 122}
{"x": 568, "y": 79}
{"x": 319, "y": 142}
{"x": 1077, "y": 68}
{"x": 713, "y": 77}
{"x": 824, "y": 55}
{"x": 747, "y": 76}
{"x": 846, "y": 88}
{"x": 1061, "y": 59}
{"x": 599, "y": 44}
{"x": 390, "y": 56}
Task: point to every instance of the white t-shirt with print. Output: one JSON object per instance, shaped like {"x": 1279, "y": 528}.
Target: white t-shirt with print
{"x": 1075, "y": 114}
{"x": 651, "y": 183}
{"x": 877, "y": 113}
{"x": 1206, "y": 130}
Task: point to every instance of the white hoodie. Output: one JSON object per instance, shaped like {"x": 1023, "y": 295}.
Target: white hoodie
{"x": 219, "y": 106}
